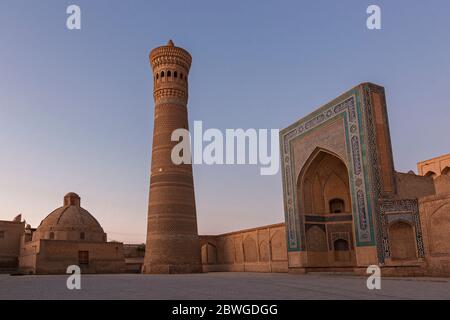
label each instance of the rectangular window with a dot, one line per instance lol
(2, 234)
(83, 257)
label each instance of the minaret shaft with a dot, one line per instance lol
(172, 236)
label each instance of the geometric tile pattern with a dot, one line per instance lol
(406, 210)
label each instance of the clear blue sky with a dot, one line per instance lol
(76, 107)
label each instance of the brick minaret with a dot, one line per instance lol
(172, 237)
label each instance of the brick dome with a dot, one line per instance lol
(70, 222)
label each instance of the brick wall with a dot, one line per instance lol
(10, 237)
(260, 249)
(53, 257)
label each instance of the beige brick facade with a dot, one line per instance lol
(10, 234)
(435, 219)
(55, 256)
(435, 167)
(261, 249)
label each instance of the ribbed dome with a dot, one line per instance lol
(70, 218)
(70, 222)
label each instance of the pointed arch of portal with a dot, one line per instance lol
(325, 206)
(319, 187)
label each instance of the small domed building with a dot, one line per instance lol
(70, 222)
(70, 235)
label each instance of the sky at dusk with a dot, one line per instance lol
(76, 107)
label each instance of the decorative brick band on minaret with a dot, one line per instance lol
(172, 236)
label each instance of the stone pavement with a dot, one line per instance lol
(221, 286)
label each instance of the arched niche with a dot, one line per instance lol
(341, 249)
(324, 178)
(402, 240)
(228, 251)
(250, 250)
(278, 246)
(439, 226)
(209, 253)
(264, 253)
(316, 239)
(430, 174)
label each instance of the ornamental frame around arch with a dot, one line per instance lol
(405, 210)
(348, 107)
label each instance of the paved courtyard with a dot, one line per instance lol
(221, 286)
